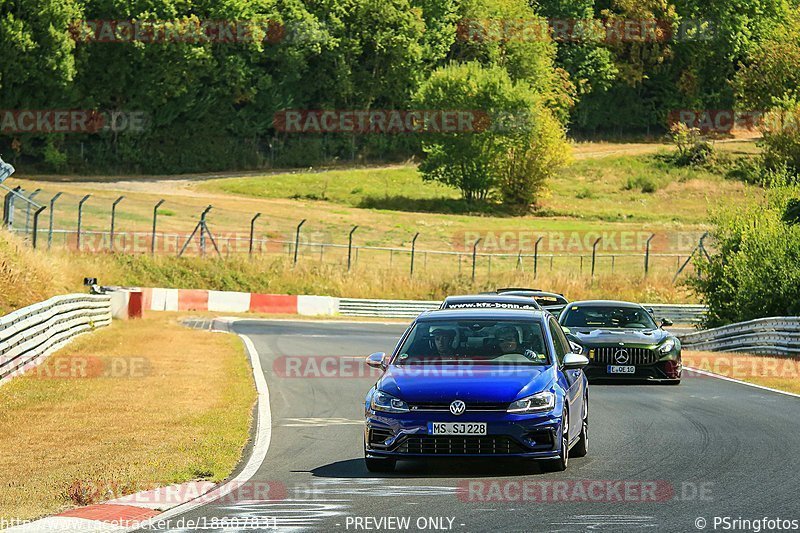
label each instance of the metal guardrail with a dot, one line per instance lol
(33, 332)
(385, 308)
(763, 336)
(678, 313)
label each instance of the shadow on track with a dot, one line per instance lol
(438, 468)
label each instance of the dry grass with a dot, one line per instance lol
(25, 278)
(367, 280)
(176, 408)
(29, 276)
(782, 373)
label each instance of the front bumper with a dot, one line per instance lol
(669, 370)
(398, 435)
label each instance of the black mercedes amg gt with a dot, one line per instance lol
(622, 341)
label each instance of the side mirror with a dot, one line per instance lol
(575, 347)
(574, 361)
(375, 360)
(666, 322)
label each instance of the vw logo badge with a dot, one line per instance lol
(621, 356)
(458, 407)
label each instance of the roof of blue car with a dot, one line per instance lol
(603, 303)
(483, 314)
(506, 298)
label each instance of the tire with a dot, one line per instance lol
(379, 465)
(581, 447)
(562, 461)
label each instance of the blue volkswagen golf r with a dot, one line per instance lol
(476, 383)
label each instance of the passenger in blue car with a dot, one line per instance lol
(508, 340)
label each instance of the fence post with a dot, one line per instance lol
(31, 196)
(699, 247)
(8, 206)
(350, 247)
(113, 221)
(413, 251)
(80, 219)
(252, 232)
(702, 246)
(519, 260)
(474, 256)
(594, 252)
(155, 222)
(50, 226)
(297, 240)
(647, 255)
(203, 230)
(36, 225)
(536, 257)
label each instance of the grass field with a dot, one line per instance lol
(613, 191)
(390, 205)
(138, 404)
(617, 188)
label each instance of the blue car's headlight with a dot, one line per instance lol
(544, 401)
(388, 403)
(667, 347)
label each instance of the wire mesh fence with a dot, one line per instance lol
(105, 222)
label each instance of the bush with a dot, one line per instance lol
(691, 148)
(781, 140)
(54, 159)
(646, 184)
(753, 272)
(748, 170)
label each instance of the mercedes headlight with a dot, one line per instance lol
(388, 403)
(667, 347)
(544, 401)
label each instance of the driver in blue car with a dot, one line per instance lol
(443, 341)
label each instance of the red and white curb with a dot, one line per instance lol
(132, 302)
(237, 302)
(121, 514)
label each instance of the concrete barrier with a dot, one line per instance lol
(229, 302)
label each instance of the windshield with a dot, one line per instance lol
(608, 317)
(513, 342)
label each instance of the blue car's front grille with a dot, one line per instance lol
(431, 406)
(457, 445)
(607, 355)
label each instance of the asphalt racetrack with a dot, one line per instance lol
(661, 458)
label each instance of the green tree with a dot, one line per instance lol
(528, 156)
(510, 34)
(770, 75)
(753, 271)
(521, 145)
(37, 50)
